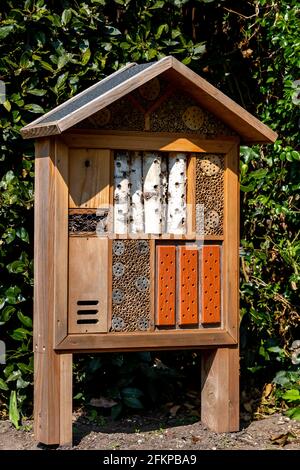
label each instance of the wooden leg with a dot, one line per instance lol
(53, 398)
(220, 389)
(66, 400)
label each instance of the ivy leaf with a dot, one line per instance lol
(7, 313)
(5, 31)
(7, 105)
(13, 295)
(27, 321)
(291, 395)
(22, 383)
(3, 385)
(14, 414)
(19, 334)
(294, 413)
(22, 234)
(36, 92)
(14, 376)
(66, 16)
(16, 267)
(86, 57)
(34, 108)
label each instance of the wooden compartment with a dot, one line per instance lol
(88, 285)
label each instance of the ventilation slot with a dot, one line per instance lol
(87, 302)
(87, 321)
(87, 312)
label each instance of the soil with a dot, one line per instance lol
(160, 433)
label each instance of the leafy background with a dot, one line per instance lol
(51, 50)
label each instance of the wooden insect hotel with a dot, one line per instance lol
(137, 232)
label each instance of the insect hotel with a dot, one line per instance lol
(137, 232)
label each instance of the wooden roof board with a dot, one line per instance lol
(132, 76)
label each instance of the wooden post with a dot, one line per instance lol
(220, 389)
(52, 371)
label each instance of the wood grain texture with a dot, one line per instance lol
(46, 363)
(237, 118)
(166, 285)
(162, 339)
(89, 171)
(66, 402)
(61, 192)
(49, 366)
(211, 284)
(230, 265)
(220, 389)
(148, 141)
(88, 282)
(188, 286)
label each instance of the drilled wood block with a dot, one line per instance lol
(209, 194)
(188, 285)
(211, 291)
(89, 178)
(166, 285)
(131, 295)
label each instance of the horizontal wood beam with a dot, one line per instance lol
(149, 141)
(145, 341)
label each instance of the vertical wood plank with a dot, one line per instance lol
(210, 281)
(152, 284)
(89, 171)
(191, 194)
(46, 361)
(220, 389)
(61, 241)
(88, 287)
(188, 286)
(110, 242)
(230, 264)
(66, 402)
(166, 285)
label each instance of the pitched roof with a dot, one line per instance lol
(132, 76)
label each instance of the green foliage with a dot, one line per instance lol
(288, 390)
(51, 50)
(133, 381)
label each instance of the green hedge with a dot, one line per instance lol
(51, 50)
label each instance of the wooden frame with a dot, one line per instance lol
(227, 333)
(56, 178)
(53, 345)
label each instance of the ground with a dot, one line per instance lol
(158, 433)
